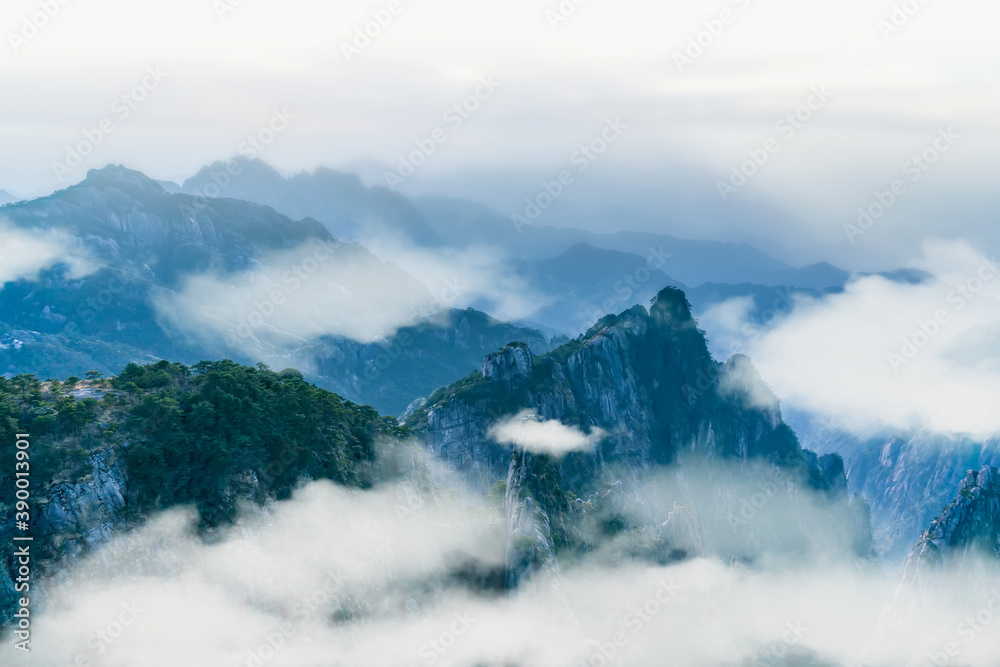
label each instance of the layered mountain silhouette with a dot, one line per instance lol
(338, 200)
(142, 246)
(148, 267)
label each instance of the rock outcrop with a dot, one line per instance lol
(907, 480)
(648, 382)
(970, 525)
(964, 541)
(72, 516)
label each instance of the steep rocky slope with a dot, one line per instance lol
(646, 382)
(908, 479)
(956, 561)
(969, 525)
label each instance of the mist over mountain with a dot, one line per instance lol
(643, 464)
(449, 231)
(469, 334)
(340, 201)
(645, 385)
(907, 479)
(137, 274)
(133, 253)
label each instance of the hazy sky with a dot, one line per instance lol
(230, 64)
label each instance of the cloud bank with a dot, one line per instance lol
(886, 354)
(290, 298)
(347, 577)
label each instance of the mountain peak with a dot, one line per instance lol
(132, 182)
(672, 303)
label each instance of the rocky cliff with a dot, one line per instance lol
(970, 525)
(646, 382)
(956, 559)
(908, 479)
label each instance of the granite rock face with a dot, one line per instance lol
(908, 479)
(964, 540)
(86, 511)
(73, 517)
(513, 362)
(969, 525)
(645, 378)
(531, 550)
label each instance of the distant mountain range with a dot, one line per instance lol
(132, 245)
(143, 247)
(353, 212)
(145, 240)
(347, 208)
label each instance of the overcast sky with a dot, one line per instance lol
(890, 93)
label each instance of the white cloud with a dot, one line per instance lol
(23, 253)
(726, 322)
(290, 298)
(553, 437)
(890, 354)
(475, 276)
(339, 576)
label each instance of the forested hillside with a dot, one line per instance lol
(107, 452)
